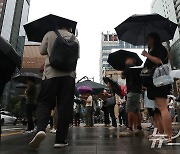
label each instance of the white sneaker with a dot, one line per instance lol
(40, 136)
(112, 128)
(53, 131)
(126, 133)
(60, 145)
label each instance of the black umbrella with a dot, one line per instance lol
(37, 29)
(22, 78)
(117, 59)
(116, 88)
(9, 51)
(97, 87)
(135, 29)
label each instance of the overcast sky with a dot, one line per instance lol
(93, 17)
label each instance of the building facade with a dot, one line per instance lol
(13, 15)
(109, 43)
(32, 59)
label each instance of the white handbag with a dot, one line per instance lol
(162, 76)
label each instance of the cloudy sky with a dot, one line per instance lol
(93, 17)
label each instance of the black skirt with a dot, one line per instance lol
(157, 92)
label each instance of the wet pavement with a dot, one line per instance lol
(98, 140)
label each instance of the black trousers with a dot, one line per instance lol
(77, 119)
(89, 116)
(112, 115)
(106, 115)
(61, 88)
(30, 108)
(122, 117)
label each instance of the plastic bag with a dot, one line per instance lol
(162, 76)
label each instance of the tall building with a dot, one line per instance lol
(13, 15)
(168, 9)
(109, 43)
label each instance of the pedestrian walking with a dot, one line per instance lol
(157, 55)
(31, 95)
(62, 50)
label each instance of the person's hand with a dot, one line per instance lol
(144, 53)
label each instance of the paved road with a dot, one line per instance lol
(81, 140)
(9, 130)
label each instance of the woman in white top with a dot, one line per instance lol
(89, 109)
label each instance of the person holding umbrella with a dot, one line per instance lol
(133, 83)
(88, 100)
(61, 48)
(114, 88)
(156, 56)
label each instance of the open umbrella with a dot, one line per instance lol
(97, 87)
(9, 52)
(22, 78)
(37, 29)
(117, 59)
(114, 85)
(85, 89)
(135, 29)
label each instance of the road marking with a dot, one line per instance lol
(10, 129)
(10, 134)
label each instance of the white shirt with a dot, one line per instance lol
(89, 99)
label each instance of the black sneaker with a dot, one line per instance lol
(60, 145)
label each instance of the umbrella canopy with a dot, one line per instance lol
(9, 51)
(114, 85)
(117, 59)
(37, 29)
(22, 78)
(85, 89)
(175, 74)
(135, 29)
(97, 87)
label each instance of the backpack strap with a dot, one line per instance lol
(59, 35)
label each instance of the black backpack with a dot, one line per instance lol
(64, 54)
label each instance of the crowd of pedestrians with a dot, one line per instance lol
(55, 101)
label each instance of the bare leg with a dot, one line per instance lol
(166, 118)
(158, 122)
(138, 119)
(130, 119)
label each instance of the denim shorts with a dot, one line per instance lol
(133, 102)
